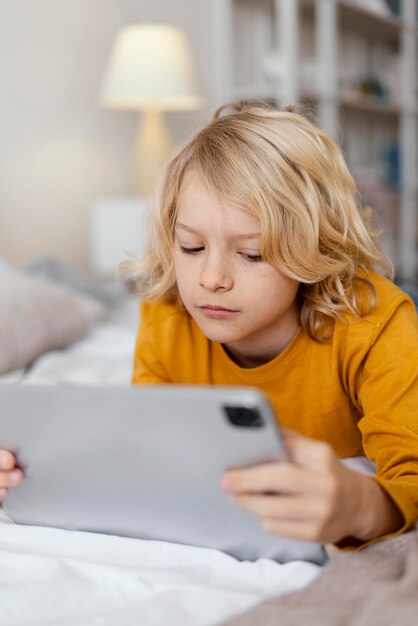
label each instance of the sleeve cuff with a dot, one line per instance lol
(400, 494)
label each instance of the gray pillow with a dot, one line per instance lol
(108, 292)
(37, 315)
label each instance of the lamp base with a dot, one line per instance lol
(152, 148)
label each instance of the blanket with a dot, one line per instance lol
(72, 578)
(377, 586)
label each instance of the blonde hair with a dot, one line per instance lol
(291, 175)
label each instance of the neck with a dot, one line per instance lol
(244, 360)
(252, 354)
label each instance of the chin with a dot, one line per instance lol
(221, 335)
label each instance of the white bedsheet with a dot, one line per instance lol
(58, 577)
(53, 576)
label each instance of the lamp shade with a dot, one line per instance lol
(150, 67)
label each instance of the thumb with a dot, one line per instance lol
(305, 451)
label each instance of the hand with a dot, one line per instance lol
(10, 474)
(315, 497)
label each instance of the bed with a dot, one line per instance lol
(54, 576)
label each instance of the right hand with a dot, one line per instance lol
(10, 474)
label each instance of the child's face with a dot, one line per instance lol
(234, 296)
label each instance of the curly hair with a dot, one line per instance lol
(292, 176)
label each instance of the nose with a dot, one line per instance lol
(215, 275)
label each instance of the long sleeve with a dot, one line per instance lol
(358, 392)
(147, 369)
(387, 393)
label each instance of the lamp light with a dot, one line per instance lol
(150, 69)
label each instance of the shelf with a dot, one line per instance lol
(356, 18)
(369, 23)
(346, 100)
(372, 105)
(353, 101)
(341, 45)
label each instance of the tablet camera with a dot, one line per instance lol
(243, 416)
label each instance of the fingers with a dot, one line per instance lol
(316, 455)
(8, 479)
(267, 477)
(271, 477)
(291, 516)
(313, 497)
(301, 530)
(9, 474)
(7, 460)
(280, 508)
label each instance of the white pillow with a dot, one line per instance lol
(37, 315)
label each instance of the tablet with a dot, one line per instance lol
(143, 462)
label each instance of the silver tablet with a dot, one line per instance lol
(143, 462)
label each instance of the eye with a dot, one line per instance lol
(254, 258)
(191, 250)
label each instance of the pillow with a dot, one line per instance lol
(108, 292)
(37, 315)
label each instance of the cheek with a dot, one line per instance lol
(268, 286)
(178, 260)
(183, 271)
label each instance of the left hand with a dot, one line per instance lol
(314, 497)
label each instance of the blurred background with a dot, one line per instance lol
(91, 106)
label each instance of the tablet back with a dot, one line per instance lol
(143, 462)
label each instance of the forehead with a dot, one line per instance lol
(197, 204)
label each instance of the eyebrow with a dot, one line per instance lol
(195, 232)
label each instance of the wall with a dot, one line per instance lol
(59, 151)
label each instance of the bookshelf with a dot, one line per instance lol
(355, 64)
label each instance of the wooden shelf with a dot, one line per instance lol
(369, 23)
(372, 105)
(356, 102)
(361, 20)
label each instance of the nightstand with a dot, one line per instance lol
(118, 227)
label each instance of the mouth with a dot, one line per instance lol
(217, 312)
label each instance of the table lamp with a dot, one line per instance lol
(150, 69)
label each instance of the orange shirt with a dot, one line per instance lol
(358, 392)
